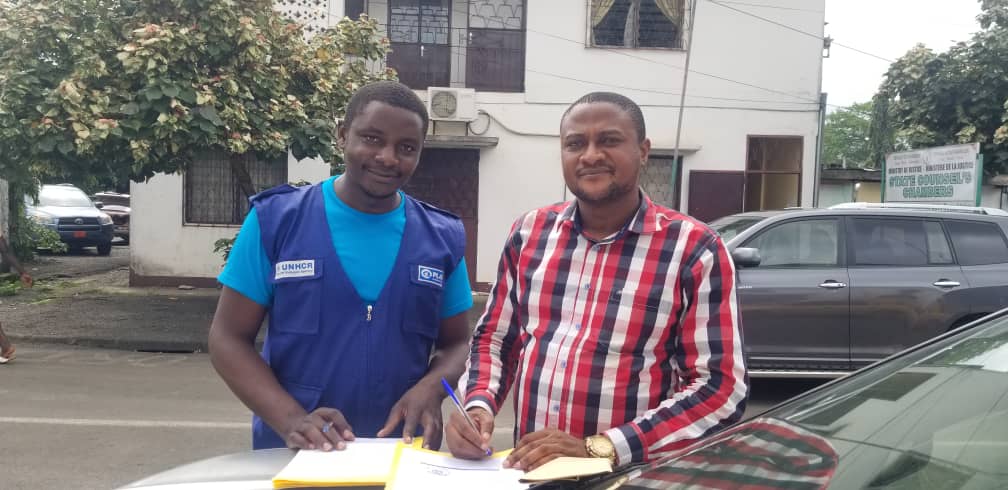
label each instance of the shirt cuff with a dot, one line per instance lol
(481, 400)
(624, 453)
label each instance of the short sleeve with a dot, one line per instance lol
(458, 292)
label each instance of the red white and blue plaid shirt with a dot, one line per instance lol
(635, 336)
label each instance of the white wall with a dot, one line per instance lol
(831, 193)
(162, 245)
(991, 197)
(523, 171)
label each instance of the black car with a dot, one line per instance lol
(68, 211)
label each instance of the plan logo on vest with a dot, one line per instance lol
(430, 275)
(295, 268)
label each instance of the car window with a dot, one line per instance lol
(889, 242)
(730, 226)
(802, 243)
(63, 197)
(939, 251)
(978, 243)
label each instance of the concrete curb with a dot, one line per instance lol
(146, 345)
(136, 342)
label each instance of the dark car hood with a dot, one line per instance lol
(769, 453)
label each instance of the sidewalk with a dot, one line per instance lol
(100, 311)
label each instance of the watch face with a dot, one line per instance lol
(443, 104)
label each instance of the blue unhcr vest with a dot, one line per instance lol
(326, 345)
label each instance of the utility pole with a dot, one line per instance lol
(682, 93)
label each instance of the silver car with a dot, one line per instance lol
(824, 291)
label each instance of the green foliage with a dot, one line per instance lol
(845, 136)
(8, 288)
(93, 88)
(223, 246)
(26, 236)
(959, 96)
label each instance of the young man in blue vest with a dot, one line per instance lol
(366, 290)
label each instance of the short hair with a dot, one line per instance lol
(389, 92)
(623, 102)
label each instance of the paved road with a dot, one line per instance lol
(79, 263)
(93, 418)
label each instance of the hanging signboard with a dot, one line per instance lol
(942, 175)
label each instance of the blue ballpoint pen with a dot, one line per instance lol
(461, 410)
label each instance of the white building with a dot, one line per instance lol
(749, 134)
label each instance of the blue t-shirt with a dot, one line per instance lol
(366, 244)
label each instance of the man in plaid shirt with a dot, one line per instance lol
(614, 319)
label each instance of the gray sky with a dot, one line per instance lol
(887, 28)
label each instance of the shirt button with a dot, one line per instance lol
(577, 326)
(556, 408)
(563, 364)
(587, 287)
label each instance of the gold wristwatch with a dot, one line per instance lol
(599, 446)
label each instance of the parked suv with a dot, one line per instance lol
(829, 290)
(68, 210)
(117, 206)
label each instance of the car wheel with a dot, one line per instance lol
(104, 248)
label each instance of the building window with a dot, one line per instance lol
(661, 180)
(212, 194)
(637, 23)
(495, 52)
(773, 172)
(485, 51)
(354, 8)
(420, 31)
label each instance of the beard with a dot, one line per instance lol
(611, 193)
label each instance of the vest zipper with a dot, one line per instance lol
(369, 308)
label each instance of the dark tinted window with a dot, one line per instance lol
(892, 242)
(354, 8)
(978, 243)
(804, 243)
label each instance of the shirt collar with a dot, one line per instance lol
(643, 222)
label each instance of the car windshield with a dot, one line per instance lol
(934, 418)
(113, 200)
(63, 197)
(730, 226)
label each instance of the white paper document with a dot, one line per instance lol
(364, 461)
(424, 469)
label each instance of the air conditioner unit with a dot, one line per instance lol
(451, 104)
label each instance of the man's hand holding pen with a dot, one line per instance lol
(467, 442)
